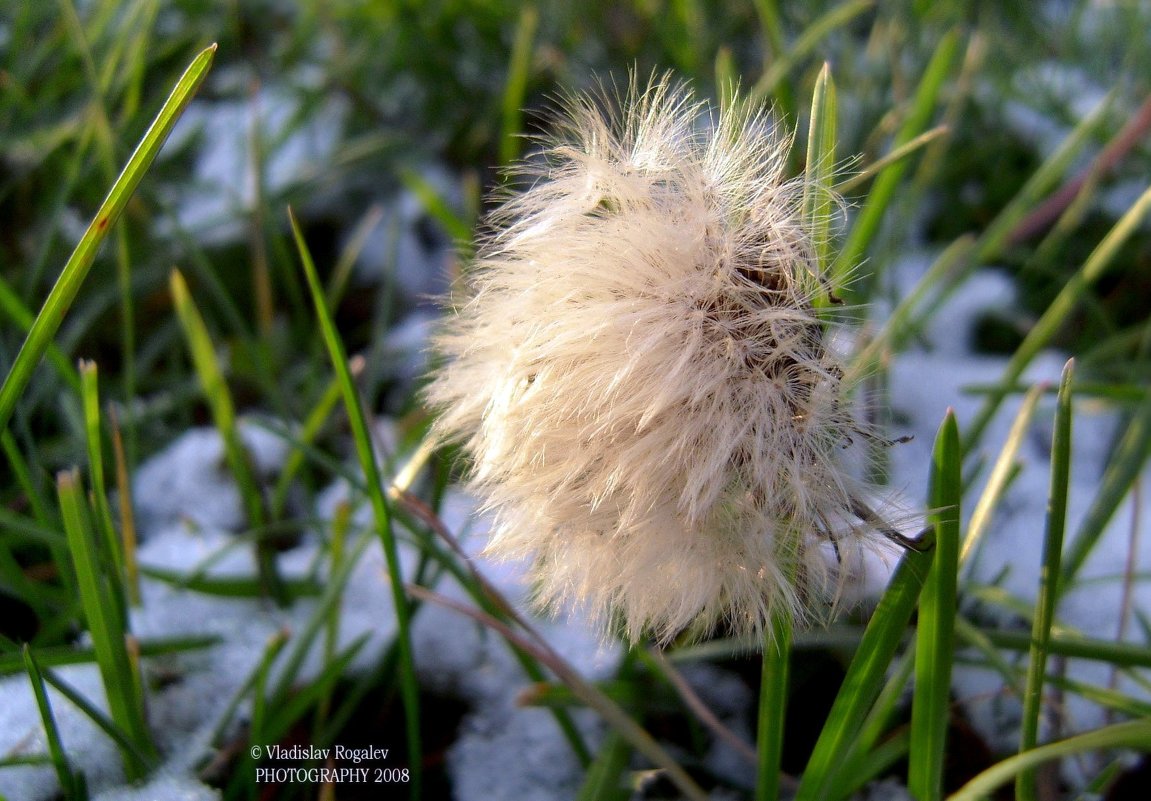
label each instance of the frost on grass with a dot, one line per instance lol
(638, 373)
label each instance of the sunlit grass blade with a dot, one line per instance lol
(1134, 734)
(883, 190)
(219, 400)
(409, 689)
(935, 633)
(866, 674)
(1025, 788)
(1122, 473)
(72, 784)
(906, 150)
(519, 67)
(1001, 473)
(121, 679)
(1056, 314)
(76, 269)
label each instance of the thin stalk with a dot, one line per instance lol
(409, 689)
(1025, 782)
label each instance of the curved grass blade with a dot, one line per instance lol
(1025, 787)
(76, 269)
(935, 638)
(409, 689)
(1133, 734)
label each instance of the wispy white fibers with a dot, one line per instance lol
(636, 369)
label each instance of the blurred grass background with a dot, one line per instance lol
(384, 125)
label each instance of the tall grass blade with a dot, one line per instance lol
(1001, 473)
(1121, 475)
(90, 398)
(219, 399)
(817, 201)
(409, 689)
(1025, 787)
(772, 708)
(935, 636)
(121, 680)
(76, 269)
(883, 190)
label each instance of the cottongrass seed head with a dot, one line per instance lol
(635, 366)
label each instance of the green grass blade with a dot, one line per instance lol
(1134, 734)
(776, 659)
(72, 655)
(885, 186)
(219, 400)
(1122, 472)
(935, 636)
(71, 783)
(117, 668)
(865, 675)
(17, 312)
(516, 87)
(1055, 316)
(817, 201)
(1025, 787)
(604, 778)
(409, 689)
(848, 185)
(90, 398)
(76, 269)
(1118, 654)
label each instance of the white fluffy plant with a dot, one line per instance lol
(636, 368)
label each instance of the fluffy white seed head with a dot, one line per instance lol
(636, 369)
